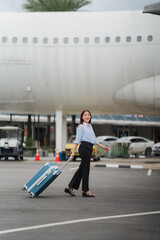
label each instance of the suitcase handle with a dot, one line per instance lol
(65, 164)
(41, 181)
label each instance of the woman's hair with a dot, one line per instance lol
(82, 113)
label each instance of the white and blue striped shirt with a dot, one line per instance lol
(85, 133)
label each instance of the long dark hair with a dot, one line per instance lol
(81, 120)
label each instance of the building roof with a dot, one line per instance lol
(136, 119)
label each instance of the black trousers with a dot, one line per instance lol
(85, 151)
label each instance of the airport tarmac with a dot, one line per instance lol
(126, 206)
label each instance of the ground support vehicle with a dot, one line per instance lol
(11, 143)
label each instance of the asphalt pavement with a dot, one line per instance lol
(126, 206)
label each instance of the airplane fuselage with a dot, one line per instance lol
(107, 62)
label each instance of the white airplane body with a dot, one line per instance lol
(107, 62)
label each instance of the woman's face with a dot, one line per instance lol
(86, 117)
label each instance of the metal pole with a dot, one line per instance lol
(54, 135)
(38, 132)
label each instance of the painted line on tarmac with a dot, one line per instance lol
(71, 169)
(149, 172)
(77, 221)
(119, 166)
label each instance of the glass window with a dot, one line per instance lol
(139, 38)
(4, 39)
(35, 40)
(97, 40)
(76, 40)
(107, 39)
(14, 39)
(141, 140)
(150, 38)
(86, 40)
(128, 39)
(55, 40)
(25, 40)
(118, 39)
(66, 40)
(45, 40)
(133, 140)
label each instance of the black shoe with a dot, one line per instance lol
(70, 191)
(89, 194)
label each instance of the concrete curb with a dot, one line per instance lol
(119, 166)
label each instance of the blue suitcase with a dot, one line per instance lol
(43, 178)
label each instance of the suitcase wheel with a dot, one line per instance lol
(23, 189)
(31, 195)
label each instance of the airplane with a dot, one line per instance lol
(64, 62)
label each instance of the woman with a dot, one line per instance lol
(86, 136)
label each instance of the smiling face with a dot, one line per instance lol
(86, 117)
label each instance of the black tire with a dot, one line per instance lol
(95, 159)
(17, 157)
(6, 158)
(21, 158)
(148, 152)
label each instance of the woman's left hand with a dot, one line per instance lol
(106, 148)
(103, 147)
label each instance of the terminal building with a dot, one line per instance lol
(43, 127)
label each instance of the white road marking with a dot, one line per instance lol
(77, 221)
(149, 172)
(112, 165)
(136, 167)
(73, 168)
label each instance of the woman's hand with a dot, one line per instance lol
(106, 149)
(74, 149)
(103, 147)
(72, 155)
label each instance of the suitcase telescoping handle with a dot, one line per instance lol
(65, 164)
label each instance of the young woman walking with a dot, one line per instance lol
(85, 136)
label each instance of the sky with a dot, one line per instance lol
(97, 5)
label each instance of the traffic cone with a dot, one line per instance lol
(37, 155)
(57, 156)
